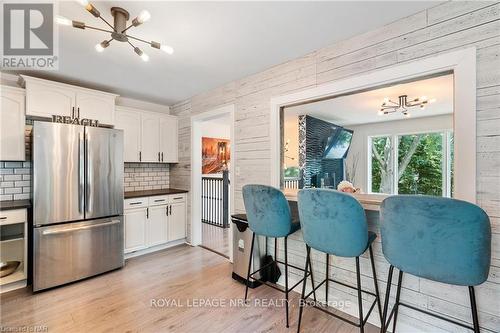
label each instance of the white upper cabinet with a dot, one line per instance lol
(129, 121)
(46, 98)
(90, 105)
(148, 136)
(12, 121)
(150, 142)
(168, 139)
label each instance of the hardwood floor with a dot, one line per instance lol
(215, 238)
(124, 301)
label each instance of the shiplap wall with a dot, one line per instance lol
(449, 26)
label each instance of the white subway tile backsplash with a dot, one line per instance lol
(22, 196)
(13, 164)
(146, 176)
(22, 183)
(13, 190)
(12, 177)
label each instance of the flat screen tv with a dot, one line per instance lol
(338, 143)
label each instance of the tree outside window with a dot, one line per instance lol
(423, 164)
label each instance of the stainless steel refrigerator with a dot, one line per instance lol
(77, 202)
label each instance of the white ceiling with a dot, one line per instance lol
(362, 108)
(214, 42)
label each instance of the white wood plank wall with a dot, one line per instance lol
(449, 26)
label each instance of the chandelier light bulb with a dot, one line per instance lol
(386, 100)
(144, 57)
(423, 98)
(84, 3)
(99, 48)
(380, 112)
(167, 49)
(143, 16)
(432, 100)
(62, 20)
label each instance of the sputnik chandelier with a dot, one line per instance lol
(119, 29)
(403, 104)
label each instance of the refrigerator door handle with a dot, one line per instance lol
(66, 230)
(88, 171)
(81, 173)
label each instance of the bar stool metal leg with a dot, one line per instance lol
(327, 277)
(302, 296)
(312, 280)
(375, 282)
(386, 301)
(249, 267)
(286, 279)
(360, 298)
(396, 305)
(473, 305)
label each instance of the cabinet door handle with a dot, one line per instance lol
(73, 112)
(166, 210)
(135, 203)
(170, 213)
(147, 213)
(162, 157)
(140, 156)
(78, 112)
(159, 157)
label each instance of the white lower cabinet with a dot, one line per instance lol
(135, 229)
(154, 221)
(157, 225)
(177, 221)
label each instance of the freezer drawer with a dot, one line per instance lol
(73, 251)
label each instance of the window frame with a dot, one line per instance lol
(446, 158)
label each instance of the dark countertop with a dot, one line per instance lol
(15, 204)
(152, 193)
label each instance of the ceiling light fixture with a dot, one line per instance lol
(403, 104)
(119, 28)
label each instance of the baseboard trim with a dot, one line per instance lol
(155, 248)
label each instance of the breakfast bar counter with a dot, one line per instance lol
(370, 202)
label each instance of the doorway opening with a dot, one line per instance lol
(211, 171)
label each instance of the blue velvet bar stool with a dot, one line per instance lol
(268, 215)
(439, 239)
(335, 223)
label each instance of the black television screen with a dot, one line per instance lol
(338, 144)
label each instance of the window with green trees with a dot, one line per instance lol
(412, 164)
